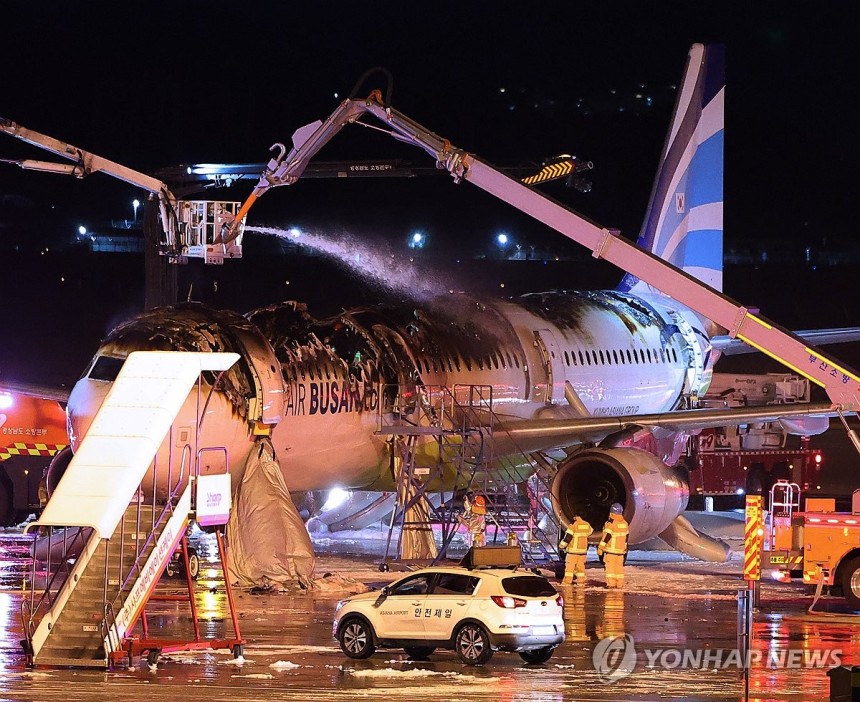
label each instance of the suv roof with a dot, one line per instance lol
(482, 571)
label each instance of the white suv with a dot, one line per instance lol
(472, 611)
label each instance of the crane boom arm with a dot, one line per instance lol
(188, 227)
(841, 385)
(86, 162)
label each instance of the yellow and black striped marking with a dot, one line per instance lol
(551, 171)
(24, 449)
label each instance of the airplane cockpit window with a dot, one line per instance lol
(106, 368)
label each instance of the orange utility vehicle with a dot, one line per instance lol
(819, 544)
(32, 432)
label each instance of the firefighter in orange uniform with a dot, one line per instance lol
(475, 519)
(613, 546)
(575, 545)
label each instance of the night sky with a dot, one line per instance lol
(157, 84)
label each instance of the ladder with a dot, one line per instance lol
(461, 421)
(110, 546)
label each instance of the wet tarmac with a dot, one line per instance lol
(680, 615)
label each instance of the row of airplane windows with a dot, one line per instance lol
(595, 357)
(496, 360)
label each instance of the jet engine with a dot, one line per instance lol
(589, 481)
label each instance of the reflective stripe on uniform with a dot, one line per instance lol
(576, 537)
(617, 530)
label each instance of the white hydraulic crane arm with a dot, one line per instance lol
(86, 163)
(841, 385)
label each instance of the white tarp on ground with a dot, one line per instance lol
(268, 542)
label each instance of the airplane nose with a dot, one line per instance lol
(84, 401)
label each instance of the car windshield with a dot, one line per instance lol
(528, 586)
(415, 585)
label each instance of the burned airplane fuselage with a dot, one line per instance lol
(323, 387)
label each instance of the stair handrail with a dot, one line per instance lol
(46, 600)
(109, 630)
(174, 492)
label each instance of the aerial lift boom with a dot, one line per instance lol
(841, 385)
(188, 227)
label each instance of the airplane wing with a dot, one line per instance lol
(816, 337)
(41, 392)
(549, 434)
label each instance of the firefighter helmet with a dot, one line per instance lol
(616, 508)
(479, 505)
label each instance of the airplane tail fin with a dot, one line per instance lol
(684, 221)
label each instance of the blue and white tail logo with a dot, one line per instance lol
(684, 223)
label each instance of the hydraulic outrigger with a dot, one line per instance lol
(841, 385)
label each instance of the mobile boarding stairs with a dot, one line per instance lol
(105, 548)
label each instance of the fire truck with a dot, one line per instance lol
(32, 434)
(737, 459)
(819, 544)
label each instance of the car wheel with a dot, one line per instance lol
(356, 639)
(537, 655)
(193, 564)
(851, 583)
(419, 653)
(473, 645)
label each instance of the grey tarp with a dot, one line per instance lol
(416, 536)
(268, 542)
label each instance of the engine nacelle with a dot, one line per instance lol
(651, 492)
